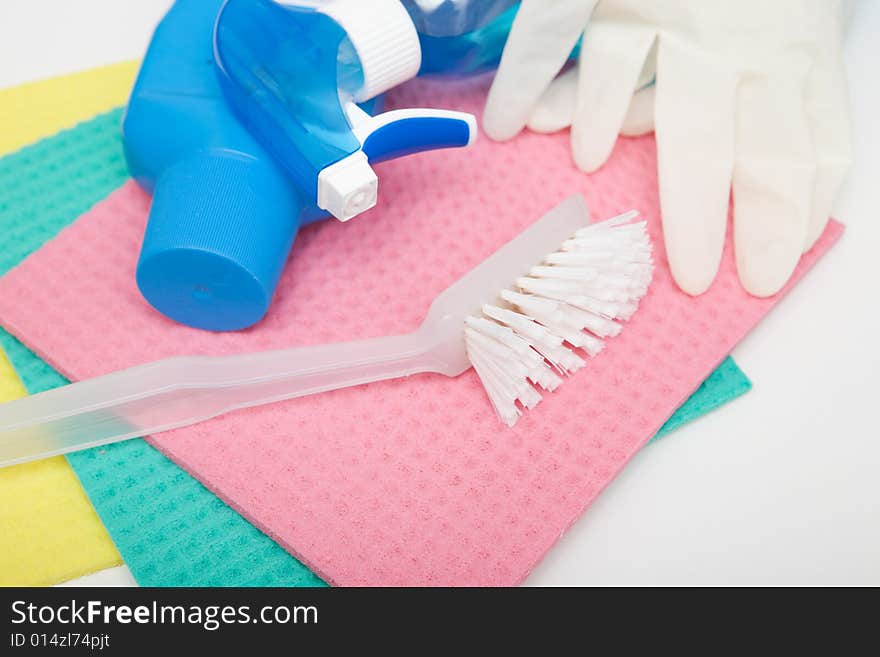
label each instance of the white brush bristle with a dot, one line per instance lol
(571, 299)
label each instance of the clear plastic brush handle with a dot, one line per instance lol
(177, 392)
(181, 391)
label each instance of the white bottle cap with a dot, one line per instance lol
(348, 187)
(385, 39)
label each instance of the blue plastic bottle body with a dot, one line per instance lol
(210, 259)
(229, 125)
(227, 204)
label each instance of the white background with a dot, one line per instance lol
(781, 486)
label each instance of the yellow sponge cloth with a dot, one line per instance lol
(32, 111)
(48, 530)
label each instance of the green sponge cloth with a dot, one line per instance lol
(726, 383)
(170, 529)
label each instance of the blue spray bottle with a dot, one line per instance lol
(244, 125)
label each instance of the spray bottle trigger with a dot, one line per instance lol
(402, 132)
(350, 186)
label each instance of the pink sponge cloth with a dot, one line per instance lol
(415, 481)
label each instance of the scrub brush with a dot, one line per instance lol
(574, 296)
(509, 322)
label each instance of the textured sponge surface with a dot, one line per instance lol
(411, 481)
(48, 530)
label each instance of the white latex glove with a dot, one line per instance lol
(749, 93)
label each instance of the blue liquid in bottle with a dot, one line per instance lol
(461, 37)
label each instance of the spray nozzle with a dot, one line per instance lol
(294, 75)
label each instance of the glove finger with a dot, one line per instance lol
(640, 115)
(772, 180)
(541, 40)
(694, 115)
(612, 58)
(828, 114)
(556, 107)
(555, 110)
